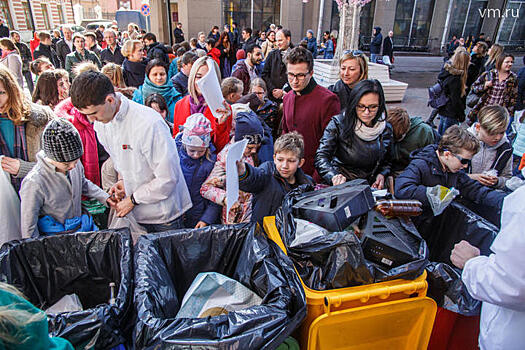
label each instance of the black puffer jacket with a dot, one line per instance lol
(342, 91)
(451, 81)
(357, 159)
(475, 69)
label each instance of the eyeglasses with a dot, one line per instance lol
(299, 76)
(355, 53)
(464, 161)
(371, 108)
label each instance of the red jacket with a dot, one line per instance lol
(215, 53)
(89, 159)
(220, 136)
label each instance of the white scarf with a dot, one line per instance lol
(366, 133)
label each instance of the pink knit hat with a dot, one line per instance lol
(197, 129)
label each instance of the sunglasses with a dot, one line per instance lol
(464, 161)
(355, 53)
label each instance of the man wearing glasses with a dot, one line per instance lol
(309, 107)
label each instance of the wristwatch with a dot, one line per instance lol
(132, 197)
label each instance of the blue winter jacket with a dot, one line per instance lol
(195, 172)
(312, 45)
(377, 40)
(425, 170)
(268, 188)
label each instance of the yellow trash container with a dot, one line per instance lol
(388, 315)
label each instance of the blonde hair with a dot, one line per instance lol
(231, 85)
(14, 320)
(493, 119)
(114, 73)
(363, 65)
(84, 66)
(291, 142)
(496, 50)
(203, 61)
(459, 63)
(17, 106)
(129, 46)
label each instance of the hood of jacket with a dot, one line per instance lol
(134, 67)
(448, 68)
(157, 46)
(428, 154)
(65, 109)
(483, 145)
(378, 30)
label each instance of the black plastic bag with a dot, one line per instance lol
(166, 265)
(393, 247)
(327, 262)
(457, 223)
(47, 268)
(448, 290)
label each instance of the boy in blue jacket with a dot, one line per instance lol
(443, 164)
(197, 158)
(271, 181)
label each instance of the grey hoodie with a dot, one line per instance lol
(483, 160)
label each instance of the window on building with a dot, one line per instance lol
(265, 12)
(512, 29)
(412, 22)
(27, 16)
(45, 14)
(6, 13)
(465, 18)
(60, 9)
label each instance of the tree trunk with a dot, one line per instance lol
(348, 38)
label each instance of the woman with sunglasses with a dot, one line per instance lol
(352, 69)
(356, 143)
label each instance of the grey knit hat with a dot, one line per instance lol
(61, 141)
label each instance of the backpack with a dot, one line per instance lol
(436, 95)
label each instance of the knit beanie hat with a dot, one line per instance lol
(196, 131)
(248, 126)
(61, 141)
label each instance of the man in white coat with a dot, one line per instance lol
(499, 279)
(143, 152)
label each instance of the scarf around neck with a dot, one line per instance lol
(199, 107)
(6, 52)
(167, 91)
(366, 133)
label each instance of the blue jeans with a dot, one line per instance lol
(176, 224)
(445, 123)
(373, 57)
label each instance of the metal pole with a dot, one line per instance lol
(412, 23)
(447, 20)
(170, 26)
(33, 20)
(302, 21)
(251, 17)
(466, 19)
(321, 20)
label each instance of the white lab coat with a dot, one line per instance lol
(144, 153)
(499, 281)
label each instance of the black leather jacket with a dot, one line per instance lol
(342, 91)
(358, 160)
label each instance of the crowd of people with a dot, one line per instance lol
(119, 117)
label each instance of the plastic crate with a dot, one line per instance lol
(392, 315)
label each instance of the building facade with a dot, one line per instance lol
(27, 16)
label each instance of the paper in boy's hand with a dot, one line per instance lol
(211, 90)
(232, 176)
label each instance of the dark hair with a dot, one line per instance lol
(158, 99)
(214, 27)
(185, 45)
(327, 32)
(221, 39)
(156, 63)
(279, 27)
(175, 47)
(210, 41)
(181, 51)
(501, 58)
(301, 55)
(251, 47)
(358, 91)
(189, 57)
(456, 139)
(90, 89)
(91, 35)
(286, 33)
(193, 41)
(149, 36)
(46, 90)
(34, 66)
(248, 30)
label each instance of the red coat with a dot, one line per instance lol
(89, 159)
(33, 43)
(215, 53)
(220, 135)
(309, 115)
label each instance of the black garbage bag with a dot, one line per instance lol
(326, 262)
(166, 265)
(448, 290)
(393, 247)
(455, 224)
(47, 268)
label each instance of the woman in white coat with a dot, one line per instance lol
(499, 279)
(11, 59)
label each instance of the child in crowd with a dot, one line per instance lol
(158, 103)
(51, 192)
(410, 134)
(495, 153)
(442, 165)
(248, 127)
(197, 158)
(40, 65)
(232, 88)
(271, 181)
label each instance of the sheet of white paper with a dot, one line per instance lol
(211, 90)
(232, 176)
